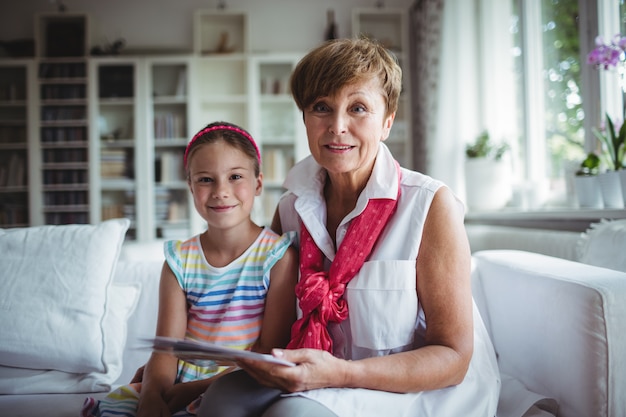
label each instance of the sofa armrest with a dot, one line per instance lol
(557, 326)
(557, 243)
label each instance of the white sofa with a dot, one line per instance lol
(556, 324)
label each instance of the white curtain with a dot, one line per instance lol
(462, 94)
(458, 116)
(425, 33)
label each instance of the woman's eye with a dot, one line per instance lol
(320, 107)
(358, 108)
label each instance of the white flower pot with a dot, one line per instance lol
(588, 192)
(487, 183)
(611, 189)
(622, 177)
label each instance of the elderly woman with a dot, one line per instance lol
(387, 325)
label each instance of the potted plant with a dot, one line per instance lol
(586, 183)
(613, 141)
(487, 174)
(611, 56)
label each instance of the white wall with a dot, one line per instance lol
(276, 25)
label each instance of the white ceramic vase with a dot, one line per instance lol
(487, 183)
(611, 189)
(588, 192)
(622, 178)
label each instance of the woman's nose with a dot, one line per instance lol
(338, 125)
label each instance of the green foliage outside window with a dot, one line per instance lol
(564, 112)
(564, 115)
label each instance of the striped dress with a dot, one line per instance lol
(225, 307)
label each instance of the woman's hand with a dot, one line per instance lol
(314, 369)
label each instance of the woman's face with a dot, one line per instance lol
(344, 129)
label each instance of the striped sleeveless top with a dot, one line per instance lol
(225, 304)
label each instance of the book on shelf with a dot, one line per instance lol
(14, 213)
(276, 163)
(171, 168)
(169, 126)
(64, 134)
(63, 70)
(112, 211)
(13, 174)
(176, 211)
(13, 134)
(270, 200)
(112, 163)
(181, 83)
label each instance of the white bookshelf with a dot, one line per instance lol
(111, 130)
(115, 114)
(16, 132)
(276, 123)
(171, 204)
(389, 26)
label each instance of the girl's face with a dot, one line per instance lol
(223, 184)
(344, 130)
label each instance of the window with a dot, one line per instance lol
(558, 97)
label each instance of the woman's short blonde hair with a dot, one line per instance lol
(340, 62)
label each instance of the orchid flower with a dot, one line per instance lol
(607, 55)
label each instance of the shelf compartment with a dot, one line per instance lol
(218, 32)
(61, 34)
(13, 208)
(169, 82)
(386, 26)
(13, 169)
(236, 113)
(221, 76)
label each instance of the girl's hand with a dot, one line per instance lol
(138, 377)
(314, 369)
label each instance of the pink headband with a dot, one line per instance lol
(222, 127)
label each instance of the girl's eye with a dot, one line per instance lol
(235, 177)
(205, 179)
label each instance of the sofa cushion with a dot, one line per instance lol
(55, 282)
(122, 302)
(604, 245)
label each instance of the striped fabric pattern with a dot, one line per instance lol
(123, 403)
(225, 303)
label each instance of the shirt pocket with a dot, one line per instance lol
(382, 302)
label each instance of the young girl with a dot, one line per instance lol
(231, 285)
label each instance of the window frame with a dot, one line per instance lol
(600, 92)
(599, 89)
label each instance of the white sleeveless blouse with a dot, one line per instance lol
(385, 314)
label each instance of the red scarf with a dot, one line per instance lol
(320, 293)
